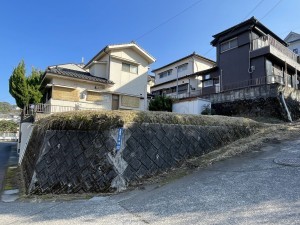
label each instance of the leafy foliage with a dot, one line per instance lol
(161, 103)
(34, 83)
(5, 107)
(24, 89)
(208, 110)
(8, 126)
(18, 86)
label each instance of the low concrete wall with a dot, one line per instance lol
(66, 161)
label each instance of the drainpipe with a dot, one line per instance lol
(285, 107)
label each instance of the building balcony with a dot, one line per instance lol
(269, 45)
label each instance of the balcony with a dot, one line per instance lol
(271, 79)
(269, 45)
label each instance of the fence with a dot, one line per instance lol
(6, 136)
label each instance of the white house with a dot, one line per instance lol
(179, 78)
(293, 39)
(115, 78)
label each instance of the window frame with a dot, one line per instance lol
(211, 83)
(182, 67)
(130, 68)
(228, 42)
(162, 74)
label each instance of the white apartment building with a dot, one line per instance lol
(293, 39)
(179, 78)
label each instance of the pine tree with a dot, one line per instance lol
(24, 89)
(18, 85)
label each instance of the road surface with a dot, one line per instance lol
(247, 189)
(5, 148)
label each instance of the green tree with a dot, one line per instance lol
(8, 126)
(18, 85)
(34, 83)
(161, 103)
(24, 89)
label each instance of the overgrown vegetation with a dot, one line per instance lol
(12, 178)
(161, 103)
(101, 120)
(24, 89)
(5, 107)
(8, 126)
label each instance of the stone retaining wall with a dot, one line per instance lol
(68, 161)
(258, 101)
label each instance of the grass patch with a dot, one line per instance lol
(12, 178)
(102, 120)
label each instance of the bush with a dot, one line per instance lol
(161, 103)
(208, 110)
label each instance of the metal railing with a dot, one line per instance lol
(271, 79)
(268, 40)
(204, 91)
(8, 136)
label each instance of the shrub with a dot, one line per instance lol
(161, 103)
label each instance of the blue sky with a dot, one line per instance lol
(52, 32)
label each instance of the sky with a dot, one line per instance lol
(45, 33)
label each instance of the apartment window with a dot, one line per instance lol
(182, 67)
(227, 45)
(208, 83)
(165, 74)
(129, 68)
(207, 76)
(182, 88)
(295, 50)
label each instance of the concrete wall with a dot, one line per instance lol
(190, 106)
(67, 161)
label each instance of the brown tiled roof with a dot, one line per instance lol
(76, 74)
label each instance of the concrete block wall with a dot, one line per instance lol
(69, 161)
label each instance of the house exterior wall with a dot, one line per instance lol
(127, 83)
(82, 90)
(234, 63)
(189, 70)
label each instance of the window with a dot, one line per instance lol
(206, 77)
(208, 83)
(182, 88)
(165, 74)
(227, 45)
(129, 68)
(295, 50)
(182, 67)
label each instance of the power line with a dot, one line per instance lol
(250, 14)
(168, 20)
(255, 7)
(271, 10)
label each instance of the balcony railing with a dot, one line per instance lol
(204, 91)
(40, 108)
(272, 79)
(268, 40)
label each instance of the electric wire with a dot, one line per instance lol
(168, 20)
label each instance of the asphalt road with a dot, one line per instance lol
(5, 148)
(248, 189)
